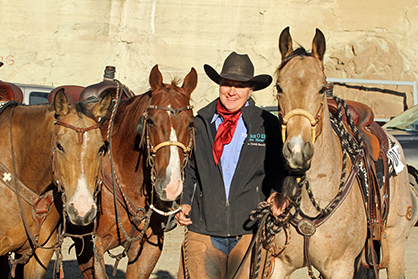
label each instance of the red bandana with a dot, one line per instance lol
(225, 131)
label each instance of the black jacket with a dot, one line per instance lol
(259, 171)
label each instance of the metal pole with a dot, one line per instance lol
(384, 82)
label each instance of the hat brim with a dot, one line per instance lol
(260, 81)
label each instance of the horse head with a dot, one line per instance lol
(301, 85)
(78, 152)
(167, 127)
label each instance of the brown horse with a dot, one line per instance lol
(41, 146)
(329, 223)
(151, 136)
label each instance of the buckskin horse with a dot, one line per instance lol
(43, 145)
(151, 137)
(338, 208)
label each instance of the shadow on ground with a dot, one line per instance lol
(72, 271)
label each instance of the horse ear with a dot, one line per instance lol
(318, 45)
(190, 81)
(61, 104)
(101, 108)
(285, 43)
(155, 78)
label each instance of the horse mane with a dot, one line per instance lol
(175, 82)
(83, 108)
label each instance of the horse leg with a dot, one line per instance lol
(396, 244)
(99, 271)
(143, 256)
(37, 265)
(281, 270)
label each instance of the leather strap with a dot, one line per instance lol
(10, 181)
(309, 224)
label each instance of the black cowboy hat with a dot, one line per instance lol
(238, 67)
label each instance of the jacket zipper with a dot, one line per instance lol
(228, 216)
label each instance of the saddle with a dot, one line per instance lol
(376, 196)
(108, 84)
(10, 92)
(77, 93)
(71, 91)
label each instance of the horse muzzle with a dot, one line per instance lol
(298, 154)
(169, 188)
(78, 219)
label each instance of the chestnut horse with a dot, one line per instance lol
(43, 145)
(329, 225)
(151, 137)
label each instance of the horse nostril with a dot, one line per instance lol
(287, 150)
(308, 150)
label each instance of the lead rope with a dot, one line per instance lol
(185, 255)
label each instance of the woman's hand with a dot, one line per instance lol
(279, 203)
(182, 216)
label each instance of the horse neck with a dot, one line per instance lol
(33, 134)
(127, 156)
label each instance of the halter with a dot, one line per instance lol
(152, 151)
(301, 112)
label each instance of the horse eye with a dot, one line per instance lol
(59, 147)
(191, 124)
(279, 89)
(150, 122)
(323, 90)
(103, 148)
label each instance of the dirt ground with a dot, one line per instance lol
(168, 264)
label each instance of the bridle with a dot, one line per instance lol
(301, 112)
(152, 151)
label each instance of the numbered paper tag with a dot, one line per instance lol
(395, 158)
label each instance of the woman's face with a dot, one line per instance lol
(234, 94)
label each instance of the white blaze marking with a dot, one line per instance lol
(174, 163)
(82, 199)
(175, 186)
(297, 144)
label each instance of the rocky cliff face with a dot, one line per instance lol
(70, 42)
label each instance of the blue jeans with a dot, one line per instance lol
(225, 244)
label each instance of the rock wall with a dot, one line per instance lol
(56, 42)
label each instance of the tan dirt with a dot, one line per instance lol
(168, 264)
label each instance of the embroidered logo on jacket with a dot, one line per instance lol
(257, 139)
